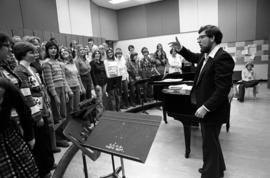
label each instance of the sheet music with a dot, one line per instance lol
(172, 80)
(180, 87)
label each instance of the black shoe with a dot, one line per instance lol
(187, 154)
(62, 143)
(240, 100)
(202, 171)
(56, 150)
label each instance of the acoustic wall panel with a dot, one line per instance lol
(85, 40)
(39, 34)
(10, 14)
(154, 18)
(5, 30)
(207, 12)
(108, 24)
(227, 19)
(162, 18)
(188, 15)
(262, 19)
(27, 32)
(246, 20)
(196, 13)
(80, 17)
(40, 14)
(95, 19)
(63, 16)
(17, 32)
(62, 39)
(170, 17)
(132, 23)
(80, 40)
(47, 35)
(68, 39)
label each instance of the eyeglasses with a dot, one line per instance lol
(201, 37)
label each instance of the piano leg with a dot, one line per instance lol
(187, 134)
(164, 113)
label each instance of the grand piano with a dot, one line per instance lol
(184, 110)
(165, 82)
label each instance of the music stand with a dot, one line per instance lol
(142, 82)
(127, 135)
(78, 129)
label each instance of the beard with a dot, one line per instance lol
(206, 49)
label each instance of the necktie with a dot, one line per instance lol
(193, 93)
(204, 62)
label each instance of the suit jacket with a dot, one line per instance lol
(214, 84)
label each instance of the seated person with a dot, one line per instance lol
(248, 80)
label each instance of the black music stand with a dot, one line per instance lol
(80, 127)
(142, 92)
(126, 135)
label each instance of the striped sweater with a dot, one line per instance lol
(54, 76)
(27, 87)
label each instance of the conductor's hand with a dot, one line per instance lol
(200, 113)
(176, 45)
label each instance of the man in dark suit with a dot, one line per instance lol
(212, 83)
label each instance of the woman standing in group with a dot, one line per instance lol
(73, 79)
(54, 79)
(47, 113)
(122, 65)
(175, 62)
(59, 91)
(31, 89)
(99, 77)
(5, 52)
(112, 71)
(84, 69)
(15, 156)
(160, 59)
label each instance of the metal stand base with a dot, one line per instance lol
(116, 171)
(114, 174)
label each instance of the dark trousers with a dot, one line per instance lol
(246, 84)
(87, 83)
(135, 96)
(114, 99)
(213, 161)
(148, 90)
(43, 150)
(124, 96)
